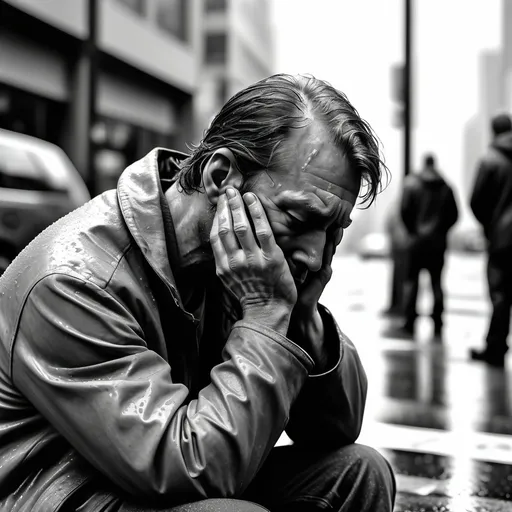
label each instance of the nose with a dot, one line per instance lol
(309, 251)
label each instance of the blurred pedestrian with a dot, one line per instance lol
(157, 342)
(397, 235)
(428, 211)
(491, 202)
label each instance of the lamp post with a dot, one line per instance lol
(407, 85)
(91, 51)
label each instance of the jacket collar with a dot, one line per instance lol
(140, 195)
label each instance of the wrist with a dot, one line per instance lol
(275, 316)
(307, 330)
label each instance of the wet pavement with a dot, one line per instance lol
(443, 421)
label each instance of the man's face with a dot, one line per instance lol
(309, 200)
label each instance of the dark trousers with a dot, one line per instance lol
(432, 260)
(351, 478)
(499, 278)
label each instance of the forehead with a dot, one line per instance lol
(309, 157)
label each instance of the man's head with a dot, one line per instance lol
(302, 148)
(501, 123)
(255, 122)
(430, 161)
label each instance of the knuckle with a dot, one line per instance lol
(224, 231)
(253, 262)
(263, 233)
(233, 264)
(255, 209)
(234, 204)
(241, 229)
(236, 261)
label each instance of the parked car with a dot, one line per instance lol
(38, 185)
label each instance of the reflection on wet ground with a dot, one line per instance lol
(413, 503)
(443, 421)
(448, 476)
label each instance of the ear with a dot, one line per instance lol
(220, 172)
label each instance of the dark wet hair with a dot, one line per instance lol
(254, 121)
(501, 123)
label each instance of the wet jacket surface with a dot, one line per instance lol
(428, 210)
(491, 200)
(108, 387)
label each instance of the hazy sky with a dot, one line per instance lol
(354, 43)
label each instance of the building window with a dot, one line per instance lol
(215, 5)
(215, 48)
(137, 6)
(32, 115)
(171, 16)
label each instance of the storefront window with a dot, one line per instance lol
(118, 144)
(215, 48)
(171, 17)
(31, 115)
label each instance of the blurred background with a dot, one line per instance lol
(105, 81)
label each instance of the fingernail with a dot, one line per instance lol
(250, 198)
(230, 192)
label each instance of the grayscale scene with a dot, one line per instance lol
(255, 255)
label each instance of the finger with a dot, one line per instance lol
(219, 253)
(262, 228)
(241, 225)
(329, 251)
(225, 226)
(325, 273)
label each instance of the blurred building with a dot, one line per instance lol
(107, 80)
(494, 96)
(237, 49)
(507, 53)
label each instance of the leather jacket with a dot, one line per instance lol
(109, 389)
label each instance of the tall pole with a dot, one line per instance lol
(91, 51)
(82, 111)
(407, 85)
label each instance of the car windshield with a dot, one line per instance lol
(22, 169)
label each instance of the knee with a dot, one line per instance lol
(366, 468)
(365, 476)
(366, 462)
(216, 504)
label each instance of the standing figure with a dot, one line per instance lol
(429, 210)
(491, 202)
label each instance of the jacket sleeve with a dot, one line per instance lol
(81, 359)
(330, 407)
(481, 197)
